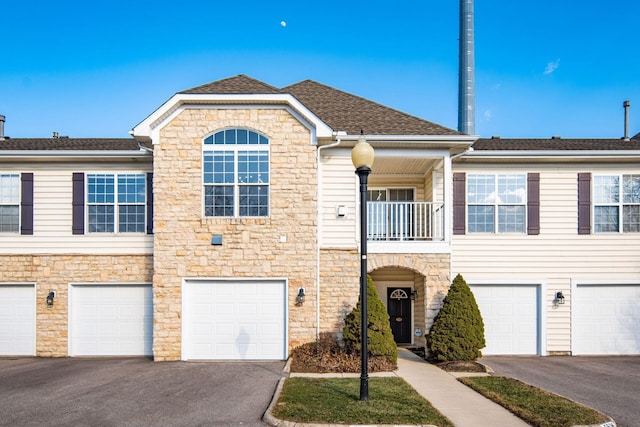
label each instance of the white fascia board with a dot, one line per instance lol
(545, 154)
(147, 129)
(417, 139)
(73, 154)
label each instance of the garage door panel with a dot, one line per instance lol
(111, 320)
(606, 319)
(510, 316)
(246, 319)
(17, 320)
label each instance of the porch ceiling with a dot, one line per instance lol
(403, 165)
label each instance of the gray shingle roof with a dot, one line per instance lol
(344, 111)
(70, 144)
(340, 110)
(555, 144)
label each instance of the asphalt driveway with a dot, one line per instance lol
(134, 392)
(608, 384)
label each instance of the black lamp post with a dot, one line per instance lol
(362, 157)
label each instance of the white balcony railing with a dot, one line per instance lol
(402, 221)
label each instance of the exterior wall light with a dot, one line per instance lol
(559, 298)
(362, 156)
(300, 297)
(50, 298)
(414, 294)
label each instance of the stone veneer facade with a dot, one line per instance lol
(56, 273)
(252, 247)
(340, 284)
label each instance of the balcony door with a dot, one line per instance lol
(388, 217)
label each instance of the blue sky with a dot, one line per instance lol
(543, 68)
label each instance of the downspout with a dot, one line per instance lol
(464, 153)
(319, 229)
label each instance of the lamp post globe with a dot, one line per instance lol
(362, 156)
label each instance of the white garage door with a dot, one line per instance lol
(243, 319)
(111, 320)
(17, 320)
(606, 319)
(510, 315)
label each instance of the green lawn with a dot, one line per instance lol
(337, 400)
(537, 407)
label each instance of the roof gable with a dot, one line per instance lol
(240, 84)
(343, 111)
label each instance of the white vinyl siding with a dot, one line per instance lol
(557, 254)
(52, 219)
(339, 187)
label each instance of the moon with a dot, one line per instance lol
(283, 23)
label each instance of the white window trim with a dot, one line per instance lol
(235, 148)
(496, 205)
(619, 204)
(19, 203)
(116, 224)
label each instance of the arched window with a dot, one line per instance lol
(236, 174)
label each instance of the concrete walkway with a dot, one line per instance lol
(463, 406)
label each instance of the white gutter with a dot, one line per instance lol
(464, 153)
(462, 139)
(541, 154)
(319, 228)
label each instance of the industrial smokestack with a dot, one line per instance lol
(466, 78)
(1, 127)
(626, 105)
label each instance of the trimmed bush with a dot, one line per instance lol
(379, 333)
(458, 330)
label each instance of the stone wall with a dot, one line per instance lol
(55, 273)
(340, 284)
(282, 245)
(436, 269)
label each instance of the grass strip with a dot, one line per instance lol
(537, 407)
(336, 400)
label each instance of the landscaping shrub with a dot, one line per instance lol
(380, 337)
(458, 330)
(326, 355)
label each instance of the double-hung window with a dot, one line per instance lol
(496, 203)
(236, 174)
(116, 202)
(616, 203)
(9, 203)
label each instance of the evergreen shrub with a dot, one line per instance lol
(380, 337)
(458, 330)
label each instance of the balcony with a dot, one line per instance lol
(407, 227)
(405, 221)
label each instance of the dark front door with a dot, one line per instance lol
(399, 309)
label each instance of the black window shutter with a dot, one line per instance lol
(26, 204)
(533, 203)
(584, 203)
(149, 203)
(459, 202)
(78, 203)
